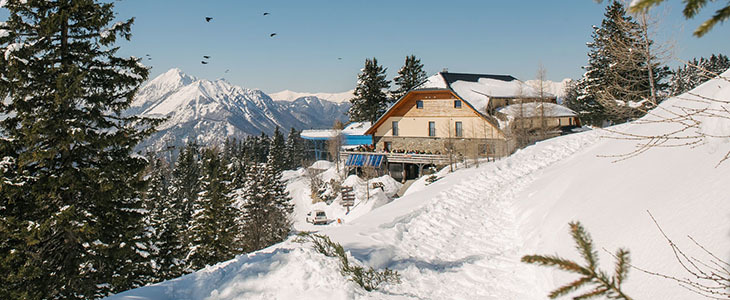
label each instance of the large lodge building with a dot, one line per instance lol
(456, 116)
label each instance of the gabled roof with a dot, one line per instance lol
(400, 101)
(477, 89)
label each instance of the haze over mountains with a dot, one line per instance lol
(209, 112)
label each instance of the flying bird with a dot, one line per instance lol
(207, 19)
(227, 70)
(339, 58)
(273, 34)
(147, 55)
(266, 14)
(206, 56)
(204, 62)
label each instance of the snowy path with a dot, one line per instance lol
(464, 242)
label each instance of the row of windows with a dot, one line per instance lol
(419, 104)
(458, 131)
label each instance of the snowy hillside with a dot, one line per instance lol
(211, 111)
(288, 95)
(462, 236)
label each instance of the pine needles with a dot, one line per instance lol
(600, 283)
(369, 279)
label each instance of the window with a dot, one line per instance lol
(419, 104)
(395, 128)
(457, 103)
(388, 146)
(458, 132)
(431, 128)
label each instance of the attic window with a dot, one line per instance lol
(419, 104)
(457, 103)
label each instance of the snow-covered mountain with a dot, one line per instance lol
(462, 236)
(208, 112)
(288, 95)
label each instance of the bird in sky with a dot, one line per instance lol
(206, 56)
(227, 70)
(273, 34)
(266, 14)
(207, 19)
(147, 55)
(204, 62)
(339, 58)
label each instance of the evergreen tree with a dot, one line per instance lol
(213, 230)
(691, 9)
(617, 82)
(277, 150)
(294, 150)
(696, 72)
(409, 77)
(370, 100)
(266, 207)
(66, 152)
(164, 222)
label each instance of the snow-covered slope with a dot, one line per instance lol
(288, 95)
(462, 236)
(208, 112)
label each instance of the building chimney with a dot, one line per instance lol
(445, 70)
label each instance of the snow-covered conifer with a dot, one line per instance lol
(71, 149)
(409, 76)
(370, 100)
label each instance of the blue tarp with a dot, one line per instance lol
(360, 160)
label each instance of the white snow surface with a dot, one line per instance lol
(462, 236)
(287, 95)
(536, 109)
(556, 88)
(478, 93)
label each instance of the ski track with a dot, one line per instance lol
(465, 243)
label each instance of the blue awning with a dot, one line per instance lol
(368, 160)
(358, 140)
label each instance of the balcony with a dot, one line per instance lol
(407, 158)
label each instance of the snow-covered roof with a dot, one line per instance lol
(477, 89)
(534, 109)
(356, 128)
(319, 133)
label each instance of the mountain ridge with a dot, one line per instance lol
(210, 111)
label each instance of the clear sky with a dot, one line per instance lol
(498, 37)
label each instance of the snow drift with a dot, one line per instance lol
(462, 236)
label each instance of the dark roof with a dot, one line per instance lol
(453, 77)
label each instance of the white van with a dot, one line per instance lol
(317, 217)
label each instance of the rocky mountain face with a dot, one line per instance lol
(208, 112)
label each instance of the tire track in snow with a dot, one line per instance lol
(465, 243)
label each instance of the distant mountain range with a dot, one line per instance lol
(288, 95)
(209, 112)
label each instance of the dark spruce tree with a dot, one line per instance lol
(294, 150)
(409, 77)
(617, 81)
(214, 229)
(696, 72)
(184, 190)
(277, 150)
(71, 206)
(370, 100)
(166, 226)
(266, 207)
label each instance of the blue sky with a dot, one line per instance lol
(499, 37)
